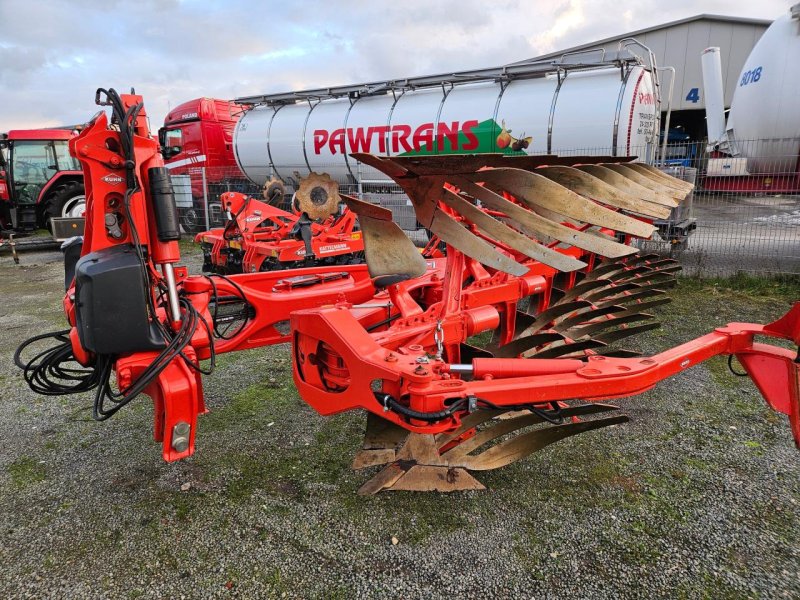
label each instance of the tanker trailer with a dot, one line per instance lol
(762, 136)
(595, 103)
(604, 106)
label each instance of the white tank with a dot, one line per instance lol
(766, 102)
(599, 111)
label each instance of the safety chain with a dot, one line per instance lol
(438, 337)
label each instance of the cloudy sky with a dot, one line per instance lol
(54, 54)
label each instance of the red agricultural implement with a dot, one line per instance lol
(539, 264)
(261, 237)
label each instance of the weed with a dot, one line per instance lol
(26, 471)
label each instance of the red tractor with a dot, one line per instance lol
(39, 179)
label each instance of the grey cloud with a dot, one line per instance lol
(53, 55)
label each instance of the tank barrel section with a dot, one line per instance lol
(518, 70)
(764, 119)
(511, 115)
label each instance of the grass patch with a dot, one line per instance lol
(26, 471)
(782, 286)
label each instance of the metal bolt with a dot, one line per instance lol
(180, 436)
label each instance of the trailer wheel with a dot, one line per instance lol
(67, 199)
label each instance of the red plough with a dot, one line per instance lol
(261, 237)
(463, 363)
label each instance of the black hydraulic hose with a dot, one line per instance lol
(387, 401)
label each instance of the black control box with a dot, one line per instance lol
(111, 303)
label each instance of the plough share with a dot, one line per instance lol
(463, 363)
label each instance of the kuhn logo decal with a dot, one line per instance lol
(401, 138)
(112, 179)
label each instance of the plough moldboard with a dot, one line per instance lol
(539, 264)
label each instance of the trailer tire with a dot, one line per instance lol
(67, 199)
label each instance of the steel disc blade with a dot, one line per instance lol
(613, 290)
(318, 196)
(635, 308)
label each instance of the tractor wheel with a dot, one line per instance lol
(191, 220)
(67, 199)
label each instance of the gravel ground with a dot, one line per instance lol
(699, 496)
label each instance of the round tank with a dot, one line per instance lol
(595, 112)
(765, 111)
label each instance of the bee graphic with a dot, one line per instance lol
(521, 143)
(505, 139)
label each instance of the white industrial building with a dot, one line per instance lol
(679, 44)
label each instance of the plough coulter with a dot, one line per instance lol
(462, 363)
(258, 236)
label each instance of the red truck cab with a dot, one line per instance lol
(197, 136)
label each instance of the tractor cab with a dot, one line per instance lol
(38, 178)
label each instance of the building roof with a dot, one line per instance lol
(703, 17)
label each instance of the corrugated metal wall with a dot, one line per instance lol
(680, 46)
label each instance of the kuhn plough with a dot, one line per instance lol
(539, 264)
(258, 236)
